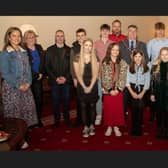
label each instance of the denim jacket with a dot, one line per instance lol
(10, 67)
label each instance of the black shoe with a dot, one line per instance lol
(151, 119)
(77, 124)
(136, 133)
(56, 124)
(40, 124)
(68, 122)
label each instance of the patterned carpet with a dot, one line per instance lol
(66, 138)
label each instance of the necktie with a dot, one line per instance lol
(132, 45)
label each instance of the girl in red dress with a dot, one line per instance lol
(113, 75)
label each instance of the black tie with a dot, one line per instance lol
(132, 45)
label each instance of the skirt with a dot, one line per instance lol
(113, 110)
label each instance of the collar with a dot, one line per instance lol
(10, 49)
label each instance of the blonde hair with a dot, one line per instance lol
(27, 33)
(158, 59)
(93, 60)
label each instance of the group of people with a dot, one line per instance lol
(107, 76)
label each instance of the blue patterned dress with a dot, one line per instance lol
(16, 103)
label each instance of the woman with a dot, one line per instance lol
(18, 101)
(159, 91)
(86, 67)
(36, 58)
(138, 81)
(113, 76)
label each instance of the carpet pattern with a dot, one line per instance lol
(66, 137)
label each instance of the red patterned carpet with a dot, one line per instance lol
(64, 138)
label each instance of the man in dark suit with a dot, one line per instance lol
(127, 46)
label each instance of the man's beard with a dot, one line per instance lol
(117, 33)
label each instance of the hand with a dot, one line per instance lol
(87, 89)
(134, 95)
(114, 92)
(24, 87)
(40, 76)
(152, 98)
(140, 95)
(75, 82)
(21, 87)
(62, 80)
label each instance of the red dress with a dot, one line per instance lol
(113, 111)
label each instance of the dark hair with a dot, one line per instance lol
(132, 26)
(104, 26)
(116, 21)
(107, 58)
(160, 25)
(59, 30)
(7, 35)
(132, 64)
(80, 30)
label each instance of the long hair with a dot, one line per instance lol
(7, 36)
(93, 58)
(143, 62)
(158, 59)
(107, 58)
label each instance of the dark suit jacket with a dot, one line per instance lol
(51, 59)
(126, 52)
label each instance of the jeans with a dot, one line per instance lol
(99, 102)
(61, 92)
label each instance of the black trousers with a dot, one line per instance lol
(137, 108)
(78, 107)
(127, 97)
(37, 91)
(153, 109)
(88, 112)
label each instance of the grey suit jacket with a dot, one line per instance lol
(126, 52)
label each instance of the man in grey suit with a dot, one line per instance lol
(127, 46)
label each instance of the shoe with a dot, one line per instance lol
(77, 124)
(68, 122)
(25, 145)
(92, 131)
(108, 131)
(136, 134)
(117, 132)
(40, 124)
(56, 124)
(98, 120)
(85, 132)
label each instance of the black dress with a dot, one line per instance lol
(91, 97)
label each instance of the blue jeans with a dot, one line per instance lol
(99, 102)
(61, 93)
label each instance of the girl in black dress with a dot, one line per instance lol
(86, 67)
(159, 92)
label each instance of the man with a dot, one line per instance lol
(155, 44)
(75, 50)
(101, 47)
(57, 68)
(153, 48)
(127, 46)
(116, 35)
